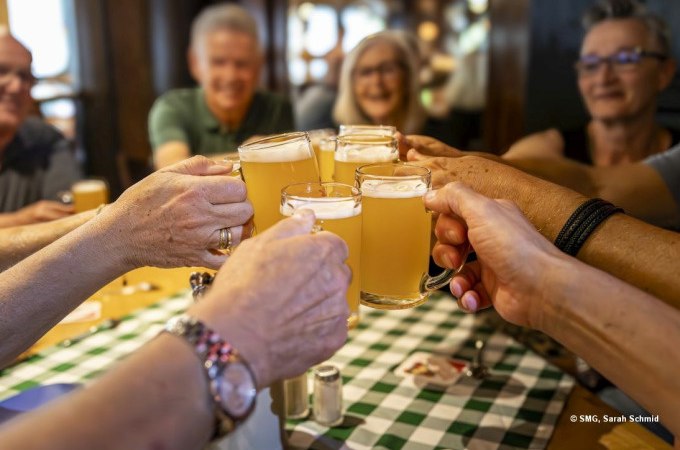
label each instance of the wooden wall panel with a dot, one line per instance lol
(508, 56)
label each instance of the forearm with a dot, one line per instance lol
(612, 326)
(631, 250)
(158, 398)
(17, 243)
(635, 187)
(12, 219)
(39, 291)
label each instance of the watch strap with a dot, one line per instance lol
(215, 354)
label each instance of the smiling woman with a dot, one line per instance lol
(624, 65)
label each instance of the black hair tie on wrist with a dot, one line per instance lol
(581, 224)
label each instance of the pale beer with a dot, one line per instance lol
(395, 242)
(355, 150)
(318, 139)
(338, 209)
(269, 164)
(89, 194)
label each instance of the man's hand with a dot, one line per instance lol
(425, 145)
(281, 298)
(172, 217)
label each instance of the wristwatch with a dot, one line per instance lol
(230, 380)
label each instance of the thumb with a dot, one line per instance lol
(198, 165)
(455, 198)
(301, 222)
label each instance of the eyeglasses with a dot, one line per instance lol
(621, 61)
(389, 70)
(7, 74)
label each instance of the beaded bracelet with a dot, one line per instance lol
(581, 224)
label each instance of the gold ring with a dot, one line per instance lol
(225, 239)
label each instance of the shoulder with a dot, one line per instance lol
(182, 99)
(543, 144)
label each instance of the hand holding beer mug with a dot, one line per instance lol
(396, 231)
(337, 208)
(89, 194)
(354, 150)
(269, 164)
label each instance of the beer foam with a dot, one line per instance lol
(393, 188)
(324, 208)
(89, 186)
(292, 151)
(367, 154)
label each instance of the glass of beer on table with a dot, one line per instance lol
(395, 236)
(354, 150)
(89, 194)
(338, 209)
(269, 164)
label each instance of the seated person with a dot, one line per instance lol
(226, 109)
(36, 161)
(625, 63)
(172, 218)
(531, 283)
(160, 396)
(379, 85)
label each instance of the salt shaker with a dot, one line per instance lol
(327, 396)
(296, 397)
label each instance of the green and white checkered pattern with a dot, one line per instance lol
(93, 355)
(515, 407)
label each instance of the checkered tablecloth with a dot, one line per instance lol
(515, 407)
(93, 355)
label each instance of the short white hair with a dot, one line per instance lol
(347, 111)
(224, 16)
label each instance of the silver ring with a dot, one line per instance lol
(225, 239)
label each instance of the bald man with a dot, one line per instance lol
(36, 161)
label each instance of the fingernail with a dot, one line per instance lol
(430, 196)
(447, 261)
(451, 236)
(456, 289)
(470, 303)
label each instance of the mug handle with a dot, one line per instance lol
(431, 283)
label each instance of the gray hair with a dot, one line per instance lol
(629, 9)
(347, 111)
(224, 16)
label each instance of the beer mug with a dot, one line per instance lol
(395, 236)
(235, 161)
(320, 139)
(269, 164)
(338, 209)
(354, 150)
(89, 194)
(380, 130)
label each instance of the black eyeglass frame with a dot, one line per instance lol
(620, 58)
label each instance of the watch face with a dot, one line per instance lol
(236, 389)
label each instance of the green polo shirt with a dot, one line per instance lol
(183, 115)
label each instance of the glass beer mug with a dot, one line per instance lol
(396, 233)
